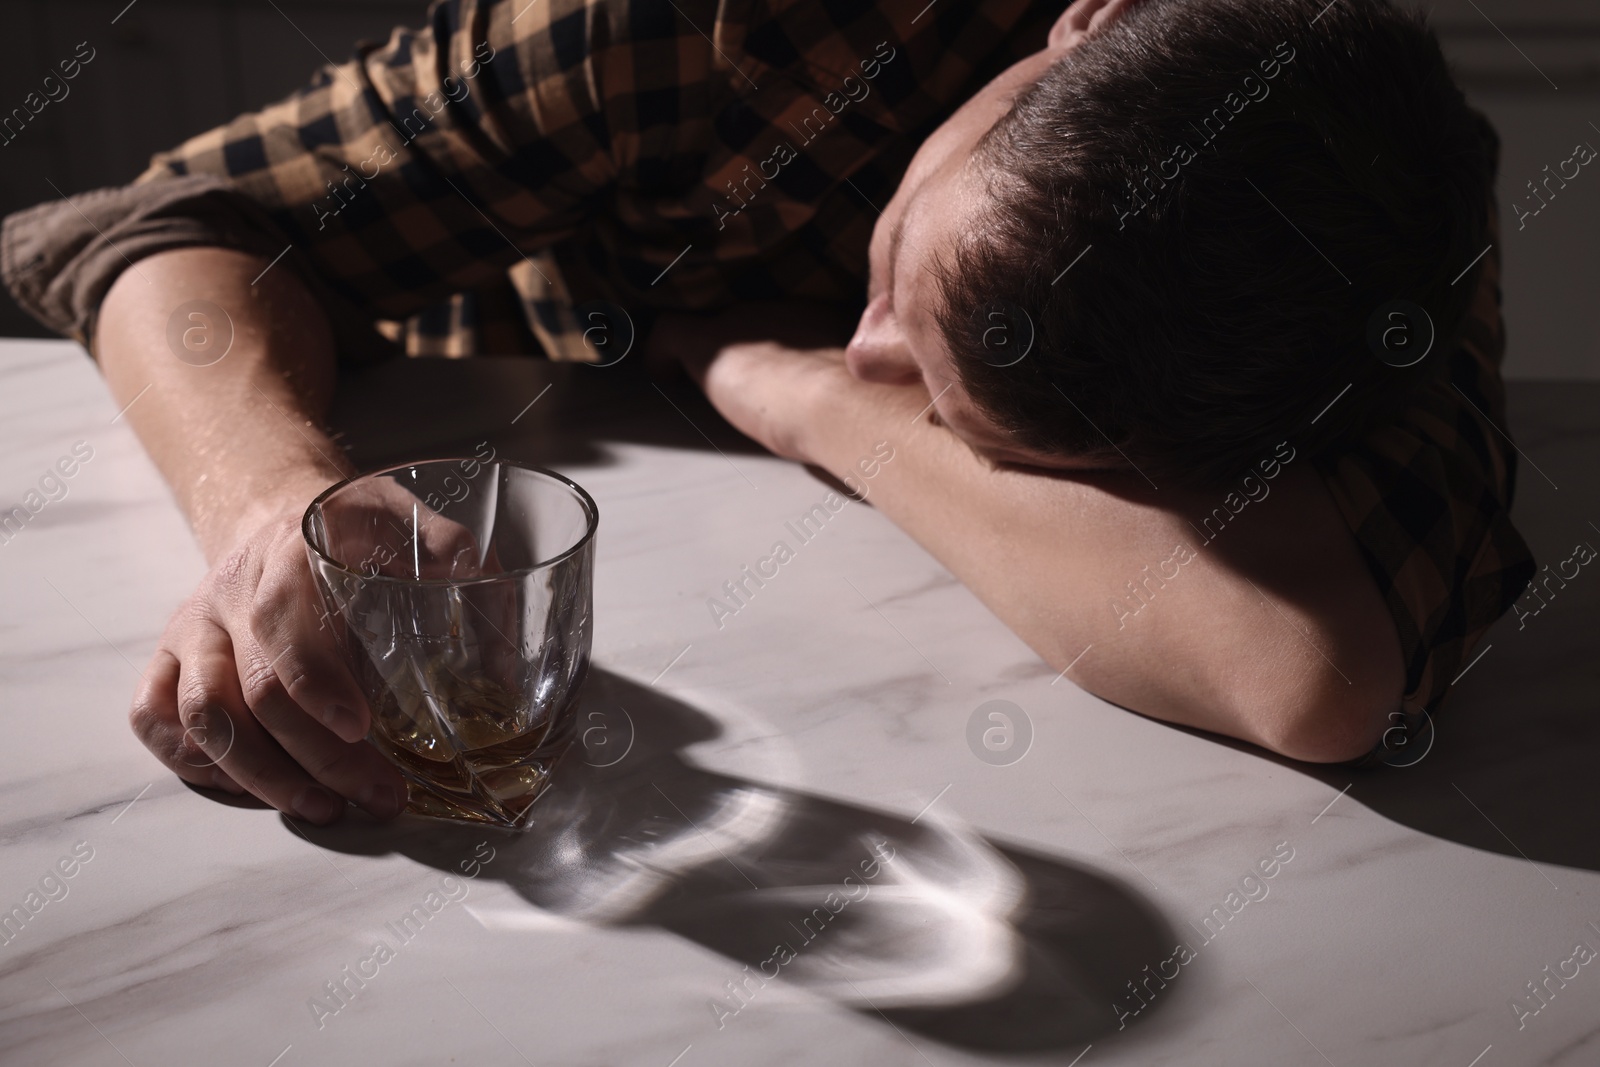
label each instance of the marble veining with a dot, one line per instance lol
(799, 778)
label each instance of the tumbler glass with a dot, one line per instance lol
(460, 591)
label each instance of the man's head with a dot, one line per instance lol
(1186, 212)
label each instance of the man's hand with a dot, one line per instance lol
(247, 690)
(767, 367)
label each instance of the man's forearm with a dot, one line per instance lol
(1273, 634)
(246, 689)
(241, 436)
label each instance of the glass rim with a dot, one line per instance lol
(591, 510)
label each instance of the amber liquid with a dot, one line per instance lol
(471, 747)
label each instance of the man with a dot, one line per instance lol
(1159, 321)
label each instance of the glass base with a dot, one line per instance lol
(506, 801)
(495, 781)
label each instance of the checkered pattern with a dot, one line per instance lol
(632, 152)
(1428, 499)
(603, 154)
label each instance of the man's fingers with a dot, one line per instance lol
(386, 529)
(353, 769)
(453, 547)
(157, 724)
(221, 708)
(286, 622)
(213, 709)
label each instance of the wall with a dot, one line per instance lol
(163, 71)
(1533, 66)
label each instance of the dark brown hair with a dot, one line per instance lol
(1247, 182)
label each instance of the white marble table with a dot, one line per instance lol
(997, 911)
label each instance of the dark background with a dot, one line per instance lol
(168, 69)
(165, 71)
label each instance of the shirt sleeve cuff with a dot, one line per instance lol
(60, 258)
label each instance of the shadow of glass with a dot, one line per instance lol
(941, 931)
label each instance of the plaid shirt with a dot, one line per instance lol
(518, 173)
(1429, 499)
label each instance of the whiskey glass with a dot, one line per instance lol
(460, 591)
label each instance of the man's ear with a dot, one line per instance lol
(1083, 18)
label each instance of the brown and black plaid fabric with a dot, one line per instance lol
(1429, 501)
(489, 182)
(497, 179)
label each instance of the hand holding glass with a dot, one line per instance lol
(462, 593)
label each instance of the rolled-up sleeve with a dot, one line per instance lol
(420, 169)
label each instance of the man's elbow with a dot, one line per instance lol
(1323, 689)
(1329, 718)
